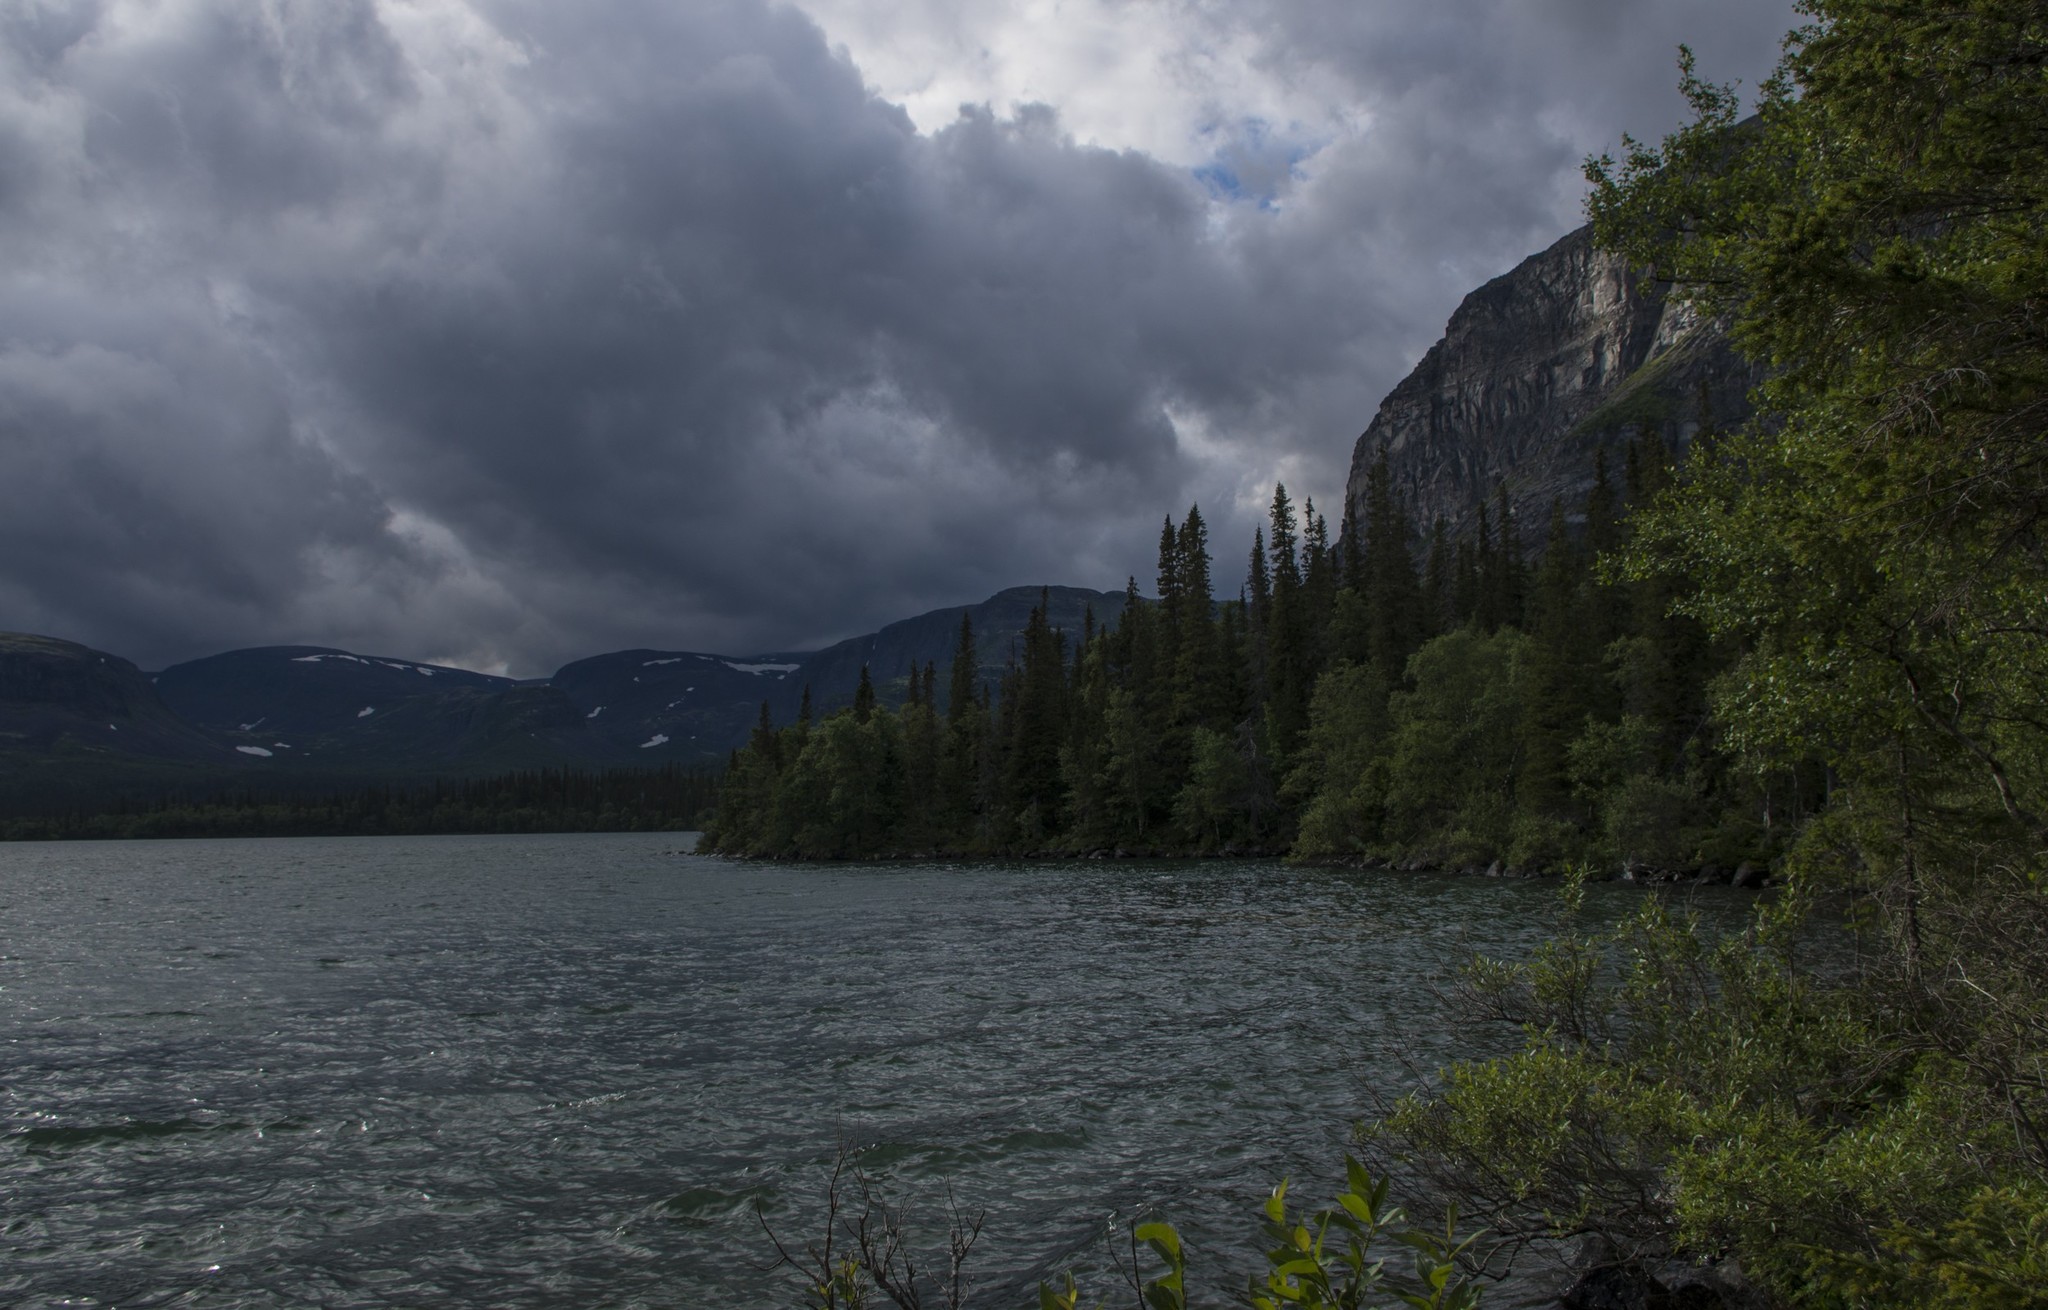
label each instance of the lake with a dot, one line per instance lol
(564, 1071)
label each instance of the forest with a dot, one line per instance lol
(535, 800)
(1392, 696)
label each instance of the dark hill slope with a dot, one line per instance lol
(59, 696)
(77, 722)
(271, 690)
(663, 707)
(833, 674)
(292, 710)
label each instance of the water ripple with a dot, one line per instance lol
(568, 1070)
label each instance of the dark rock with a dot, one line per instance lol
(1612, 1287)
(1496, 870)
(1751, 875)
(1666, 1285)
(1566, 354)
(1709, 1287)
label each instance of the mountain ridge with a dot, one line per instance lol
(78, 724)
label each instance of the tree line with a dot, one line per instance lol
(670, 798)
(1393, 695)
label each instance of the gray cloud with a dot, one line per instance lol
(510, 334)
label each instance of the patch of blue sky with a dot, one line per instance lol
(1251, 162)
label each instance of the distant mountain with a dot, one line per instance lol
(76, 721)
(650, 706)
(81, 725)
(657, 706)
(834, 673)
(305, 691)
(314, 708)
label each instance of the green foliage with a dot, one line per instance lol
(1213, 809)
(1993, 1253)
(1866, 1132)
(1868, 552)
(1692, 1096)
(1327, 1261)
(1453, 746)
(867, 1252)
(1335, 1259)
(1877, 232)
(1342, 767)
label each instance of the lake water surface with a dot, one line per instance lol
(563, 1071)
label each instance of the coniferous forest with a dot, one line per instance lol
(1392, 695)
(533, 800)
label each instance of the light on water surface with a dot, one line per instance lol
(549, 1071)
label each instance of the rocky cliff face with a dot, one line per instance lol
(1538, 369)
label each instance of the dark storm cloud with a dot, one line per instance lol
(524, 331)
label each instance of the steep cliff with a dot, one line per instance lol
(1567, 353)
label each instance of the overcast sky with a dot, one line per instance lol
(503, 332)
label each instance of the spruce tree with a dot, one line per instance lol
(1034, 724)
(1485, 576)
(1318, 587)
(1256, 603)
(1439, 612)
(1171, 600)
(966, 673)
(1288, 671)
(1350, 549)
(1200, 683)
(1392, 593)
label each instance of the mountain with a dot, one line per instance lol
(305, 691)
(651, 706)
(660, 706)
(314, 708)
(1568, 353)
(834, 673)
(76, 721)
(79, 726)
